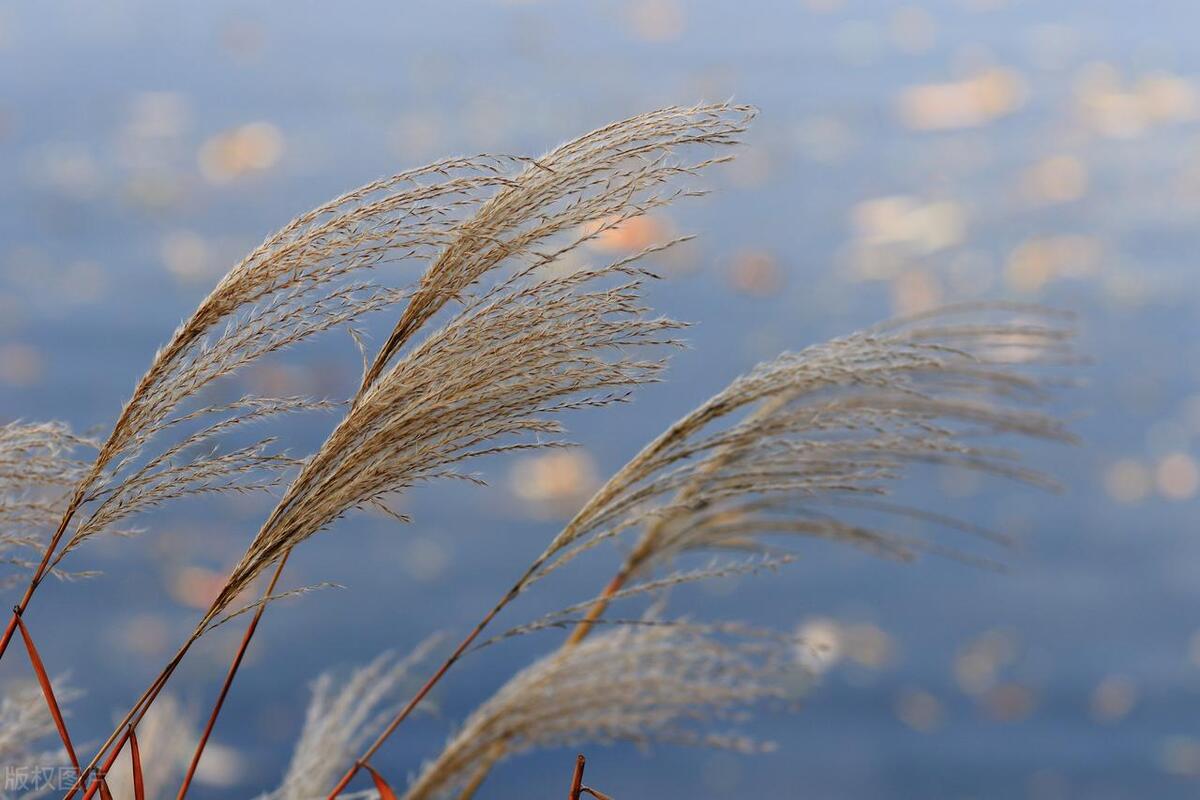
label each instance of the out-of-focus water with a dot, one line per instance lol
(906, 154)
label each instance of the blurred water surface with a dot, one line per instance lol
(906, 154)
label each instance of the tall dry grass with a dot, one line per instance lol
(791, 448)
(488, 349)
(470, 218)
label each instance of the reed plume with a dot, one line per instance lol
(38, 466)
(524, 348)
(639, 684)
(340, 719)
(583, 188)
(24, 722)
(800, 441)
(490, 381)
(494, 374)
(165, 739)
(303, 280)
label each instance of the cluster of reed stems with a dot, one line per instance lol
(494, 340)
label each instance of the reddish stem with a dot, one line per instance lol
(233, 669)
(38, 574)
(580, 631)
(577, 778)
(47, 690)
(429, 684)
(9, 630)
(135, 763)
(118, 737)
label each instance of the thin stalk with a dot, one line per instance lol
(135, 715)
(641, 555)
(38, 574)
(120, 735)
(578, 633)
(77, 500)
(494, 754)
(233, 669)
(584, 626)
(416, 699)
(642, 552)
(577, 778)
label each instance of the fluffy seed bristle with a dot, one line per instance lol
(339, 721)
(526, 348)
(25, 724)
(799, 440)
(508, 362)
(586, 187)
(303, 280)
(638, 684)
(38, 467)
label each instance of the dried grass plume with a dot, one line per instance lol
(640, 684)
